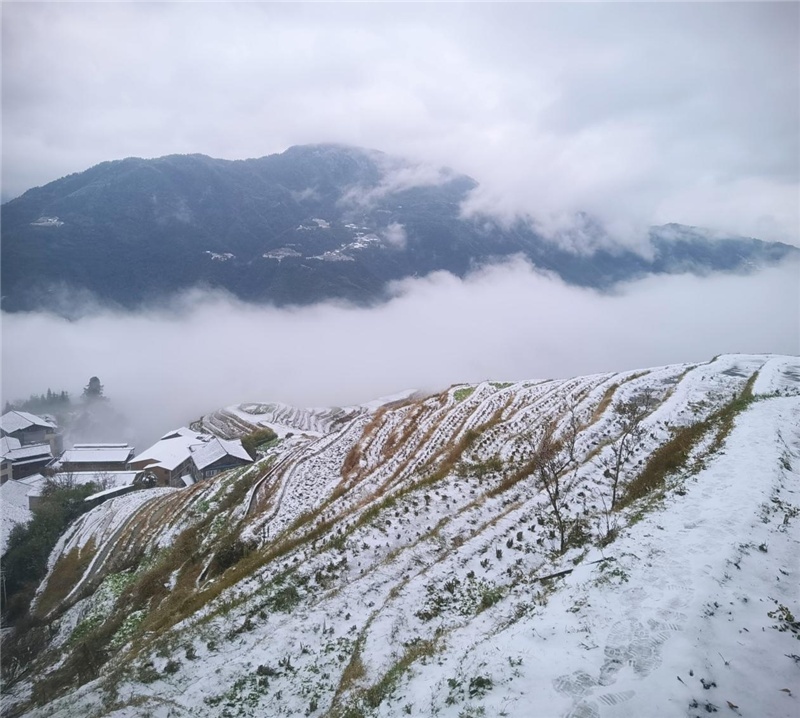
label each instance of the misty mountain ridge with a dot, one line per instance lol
(550, 548)
(314, 223)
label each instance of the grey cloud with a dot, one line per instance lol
(397, 175)
(395, 235)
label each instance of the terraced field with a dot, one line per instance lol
(539, 548)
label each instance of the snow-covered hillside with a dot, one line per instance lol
(454, 555)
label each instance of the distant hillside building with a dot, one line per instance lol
(170, 458)
(30, 429)
(18, 461)
(218, 455)
(183, 456)
(95, 457)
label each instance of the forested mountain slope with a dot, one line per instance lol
(317, 222)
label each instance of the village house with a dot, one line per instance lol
(95, 457)
(30, 429)
(17, 461)
(182, 456)
(170, 458)
(218, 455)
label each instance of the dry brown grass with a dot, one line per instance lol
(65, 576)
(605, 402)
(353, 459)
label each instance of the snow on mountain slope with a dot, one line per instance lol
(235, 421)
(412, 559)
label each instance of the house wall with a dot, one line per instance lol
(35, 435)
(161, 474)
(175, 475)
(220, 465)
(100, 499)
(68, 466)
(20, 471)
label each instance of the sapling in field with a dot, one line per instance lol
(554, 465)
(628, 416)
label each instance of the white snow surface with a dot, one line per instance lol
(430, 579)
(90, 454)
(170, 452)
(14, 420)
(7, 444)
(15, 509)
(206, 454)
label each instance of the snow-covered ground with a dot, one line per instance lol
(404, 559)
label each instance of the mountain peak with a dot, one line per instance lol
(316, 222)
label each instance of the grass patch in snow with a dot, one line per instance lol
(354, 670)
(414, 651)
(89, 652)
(372, 697)
(461, 394)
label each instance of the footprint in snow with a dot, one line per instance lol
(613, 699)
(584, 709)
(631, 643)
(669, 622)
(591, 709)
(681, 598)
(575, 685)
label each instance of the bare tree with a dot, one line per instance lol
(104, 480)
(629, 416)
(61, 480)
(554, 466)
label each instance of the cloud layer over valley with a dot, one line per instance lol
(165, 367)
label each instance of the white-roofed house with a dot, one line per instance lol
(95, 457)
(170, 458)
(218, 455)
(18, 461)
(7, 444)
(185, 433)
(30, 429)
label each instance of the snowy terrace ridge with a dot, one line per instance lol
(454, 555)
(236, 421)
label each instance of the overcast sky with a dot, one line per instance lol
(640, 114)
